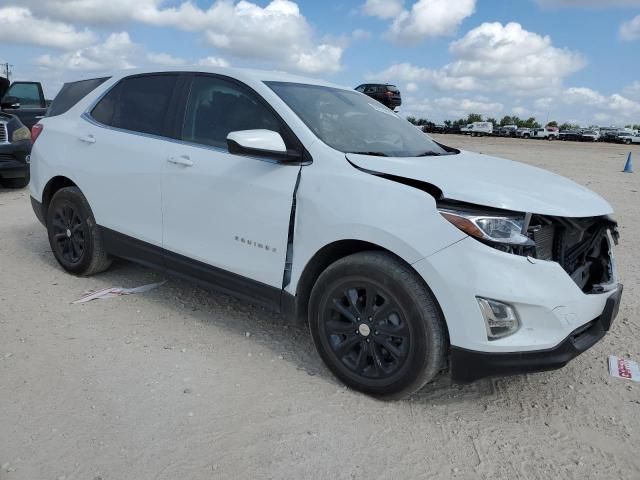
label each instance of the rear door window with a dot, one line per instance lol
(138, 104)
(72, 93)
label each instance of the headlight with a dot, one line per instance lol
(21, 133)
(505, 230)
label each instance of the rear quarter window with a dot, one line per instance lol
(71, 93)
(137, 104)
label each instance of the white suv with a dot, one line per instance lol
(407, 258)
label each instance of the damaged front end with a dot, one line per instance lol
(581, 246)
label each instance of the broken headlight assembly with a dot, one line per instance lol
(581, 246)
(502, 231)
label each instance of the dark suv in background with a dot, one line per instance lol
(386, 94)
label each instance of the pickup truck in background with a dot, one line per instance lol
(547, 133)
(25, 100)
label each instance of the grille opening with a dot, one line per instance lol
(580, 246)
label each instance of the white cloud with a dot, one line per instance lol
(429, 18)
(18, 25)
(360, 34)
(630, 30)
(495, 57)
(116, 52)
(459, 107)
(165, 60)
(592, 104)
(442, 108)
(213, 62)
(277, 33)
(383, 8)
(92, 11)
(588, 3)
(412, 87)
(632, 91)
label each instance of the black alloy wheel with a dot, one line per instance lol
(376, 325)
(366, 330)
(74, 237)
(69, 232)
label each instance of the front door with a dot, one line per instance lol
(229, 213)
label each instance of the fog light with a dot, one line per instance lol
(500, 318)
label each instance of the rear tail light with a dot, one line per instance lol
(389, 94)
(36, 130)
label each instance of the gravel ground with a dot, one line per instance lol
(181, 383)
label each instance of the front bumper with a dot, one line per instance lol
(468, 366)
(14, 159)
(549, 303)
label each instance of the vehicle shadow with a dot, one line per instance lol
(182, 299)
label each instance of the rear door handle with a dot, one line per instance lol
(88, 139)
(182, 160)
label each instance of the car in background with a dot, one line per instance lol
(25, 100)
(547, 133)
(435, 128)
(15, 147)
(591, 136)
(628, 138)
(478, 129)
(453, 129)
(508, 131)
(523, 132)
(386, 94)
(570, 135)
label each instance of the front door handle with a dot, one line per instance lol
(182, 160)
(88, 139)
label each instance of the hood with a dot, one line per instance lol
(493, 182)
(4, 86)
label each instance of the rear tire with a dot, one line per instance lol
(377, 326)
(73, 234)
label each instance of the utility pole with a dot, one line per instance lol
(7, 70)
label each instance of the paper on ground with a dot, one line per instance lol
(116, 292)
(624, 368)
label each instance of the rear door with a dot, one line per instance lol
(120, 147)
(226, 217)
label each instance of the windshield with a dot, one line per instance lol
(354, 123)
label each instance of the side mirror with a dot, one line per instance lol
(10, 102)
(260, 143)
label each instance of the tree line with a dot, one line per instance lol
(530, 122)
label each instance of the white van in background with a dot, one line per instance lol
(478, 129)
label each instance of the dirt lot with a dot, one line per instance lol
(181, 383)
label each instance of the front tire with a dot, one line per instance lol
(73, 234)
(377, 326)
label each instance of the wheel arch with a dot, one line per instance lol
(53, 185)
(331, 253)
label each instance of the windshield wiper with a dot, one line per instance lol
(429, 154)
(373, 154)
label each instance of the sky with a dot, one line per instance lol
(566, 60)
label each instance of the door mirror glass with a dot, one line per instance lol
(10, 102)
(264, 143)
